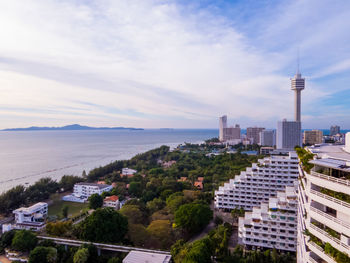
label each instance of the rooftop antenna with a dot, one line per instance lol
(298, 63)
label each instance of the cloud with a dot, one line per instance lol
(156, 63)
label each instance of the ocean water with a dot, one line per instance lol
(26, 156)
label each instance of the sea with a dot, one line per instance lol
(26, 156)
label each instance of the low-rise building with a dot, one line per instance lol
(112, 201)
(273, 224)
(127, 172)
(29, 218)
(266, 150)
(146, 257)
(82, 191)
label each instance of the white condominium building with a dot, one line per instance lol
(258, 183)
(85, 190)
(30, 218)
(267, 138)
(222, 126)
(273, 224)
(82, 191)
(324, 206)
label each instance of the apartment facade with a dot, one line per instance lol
(222, 126)
(258, 183)
(313, 137)
(273, 224)
(324, 206)
(288, 134)
(254, 134)
(267, 138)
(29, 218)
(334, 130)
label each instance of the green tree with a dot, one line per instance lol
(138, 234)
(161, 234)
(133, 213)
(193, 217)
(64, 211)
(114, 260)
(95, 201)
(24, 240)
(81, 256)
(135, 189)
(58, 228)
(7, 237)
(103, 225)
(155, 205)
(43, 255)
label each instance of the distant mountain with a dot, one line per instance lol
(72, 127)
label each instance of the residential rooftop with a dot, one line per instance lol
(101, 186)
(146, 257)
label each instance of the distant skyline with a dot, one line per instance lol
(176, 64)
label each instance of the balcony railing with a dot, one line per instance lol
(336, 240)
(334, 219)
(331, 178)
(324, 255)
(335, 200)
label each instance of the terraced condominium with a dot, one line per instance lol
(324, 206)
(258, 183)
(273, 224)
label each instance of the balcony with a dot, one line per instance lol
(324, 236)
(319, 251)
(330, 201)
(338, 225)
(330, 182)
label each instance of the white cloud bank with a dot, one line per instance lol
(146, 64)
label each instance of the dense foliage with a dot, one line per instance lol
(24, 240)
(95, 201)
(103, 225)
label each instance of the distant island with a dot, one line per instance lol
(72, 127)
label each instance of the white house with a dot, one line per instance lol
(128, 172)
(112, 201)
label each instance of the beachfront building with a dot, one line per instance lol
(29, 218)
(324, 206)
(82, 191)
(288, 134)
(267, 138)
(112, 201)
(272, 224)
(313, 137)
(254, 134)
(258, 183)
(334, 130)
(222, 126)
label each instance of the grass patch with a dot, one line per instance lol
(74, 209)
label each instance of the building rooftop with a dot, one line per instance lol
(31, 208)
(146, 257)
(112, 198)
(330, 151)
(101, 186)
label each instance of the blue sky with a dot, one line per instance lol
(174, 64)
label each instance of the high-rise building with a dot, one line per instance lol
(334, 130)
(222, 126)
(253, 133)
(313, 137)
(267, 138)
(324, 208)
(288, 134)
(232, 133)
(258, 183)
(273, 224)
(298, 84)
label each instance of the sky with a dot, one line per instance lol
(172, 64)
